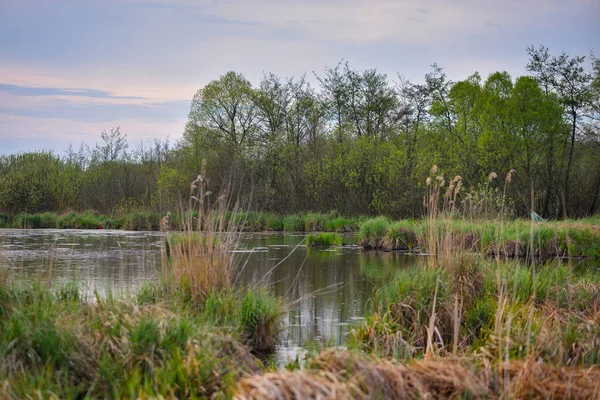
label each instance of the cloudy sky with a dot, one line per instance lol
(70, 69)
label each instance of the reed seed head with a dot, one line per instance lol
(509, 175)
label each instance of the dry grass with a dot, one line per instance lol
(343, 374)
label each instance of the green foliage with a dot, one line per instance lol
(4, 220)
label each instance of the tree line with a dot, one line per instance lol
(356, 141)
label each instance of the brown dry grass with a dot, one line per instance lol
(343, 374)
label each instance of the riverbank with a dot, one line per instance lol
(507, 239)
(154, 221)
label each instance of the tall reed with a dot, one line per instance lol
(200, 260)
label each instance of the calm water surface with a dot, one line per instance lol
(327, 289)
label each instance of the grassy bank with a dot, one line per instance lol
(189, 335)
(55, 343)
(510, 239)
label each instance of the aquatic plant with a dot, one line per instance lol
(324, 239)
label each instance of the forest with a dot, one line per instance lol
(357, 142)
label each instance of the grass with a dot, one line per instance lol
(372, 232)
(496, 238)
(69, 347)
(474, 304)
(476, 329)
(324, 239)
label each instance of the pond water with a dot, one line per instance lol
(327, 289)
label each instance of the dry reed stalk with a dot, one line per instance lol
(429, 351)
(440, 236)
(456, 318)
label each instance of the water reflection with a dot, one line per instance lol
(101, 260)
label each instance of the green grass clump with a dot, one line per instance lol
(401, 235)
(324, 239)
(55, 342)
(260, 314)
(341, 224)
(315, 222)
(274, 223)
(372, 232)
(294, 223)
(545, 312)
(141, 221)
(18, 222)
(48, 220)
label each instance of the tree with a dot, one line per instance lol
(113, 149)
(227, 111)
(568, 78)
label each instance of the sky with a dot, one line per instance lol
(70, 69)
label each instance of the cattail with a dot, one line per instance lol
(433, 170)
(492, 176)
(509, 175)
(428, 181)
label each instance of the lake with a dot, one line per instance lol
(326, 289)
